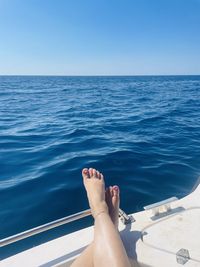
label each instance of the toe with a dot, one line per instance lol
(98, 175)
(115, 190)
(91, 172)
(95, 173)
(101, 176)
(85, 173)
(111, 191)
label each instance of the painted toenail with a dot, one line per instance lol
(116, 188)
(85, 171)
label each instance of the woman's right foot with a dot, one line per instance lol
(112, 200)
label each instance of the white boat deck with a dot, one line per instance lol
(151, 241)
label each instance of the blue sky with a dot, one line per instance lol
(99, 37)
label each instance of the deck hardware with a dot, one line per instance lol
(125, 219)
(162, 206)
(182, 256)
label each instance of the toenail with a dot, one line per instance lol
(116, 188)
(85, 171)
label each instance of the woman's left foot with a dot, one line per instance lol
(112, 200)
(94, 184)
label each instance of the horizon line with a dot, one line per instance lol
(98, 75)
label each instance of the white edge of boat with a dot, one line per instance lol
(166, 234)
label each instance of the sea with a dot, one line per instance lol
(141, 132)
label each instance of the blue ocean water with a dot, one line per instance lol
(142, 132)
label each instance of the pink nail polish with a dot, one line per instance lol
(116, 188)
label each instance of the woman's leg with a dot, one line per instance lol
(112, 201)
(108, 249)
(85, 259)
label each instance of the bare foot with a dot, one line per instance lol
(112, 200)
(94, 184)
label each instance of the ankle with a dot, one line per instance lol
(100, 213)
(101, 208)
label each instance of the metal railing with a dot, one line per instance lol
(45, 227)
